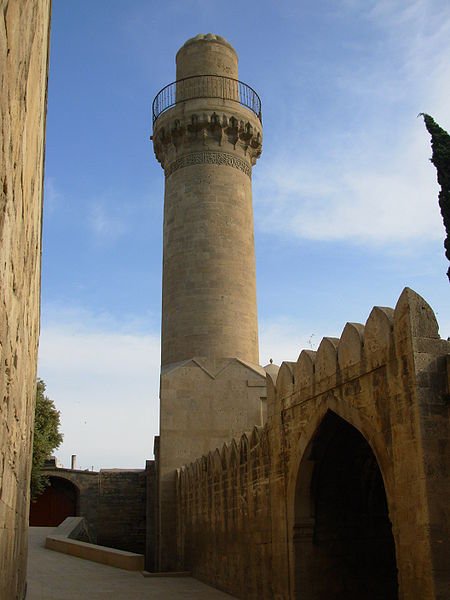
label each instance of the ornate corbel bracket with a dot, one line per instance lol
(199, 132)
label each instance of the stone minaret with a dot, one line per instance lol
(207, 136)
(207, 144)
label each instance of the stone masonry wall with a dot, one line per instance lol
(121, 517)
(114, 503)
(24, 40)
(224, 526)
(203, 404)
(246, 519)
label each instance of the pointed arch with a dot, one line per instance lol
(337, 499)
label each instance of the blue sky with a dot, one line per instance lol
(345, 198)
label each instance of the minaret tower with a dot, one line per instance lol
(207, 135)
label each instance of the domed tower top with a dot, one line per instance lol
(207, 54)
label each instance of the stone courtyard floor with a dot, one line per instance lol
(56, 576)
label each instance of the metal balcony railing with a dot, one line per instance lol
(206, 86)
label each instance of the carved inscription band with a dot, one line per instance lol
(210, 158)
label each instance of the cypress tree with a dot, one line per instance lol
(440, 145)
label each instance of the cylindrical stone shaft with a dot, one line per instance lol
(207, 143)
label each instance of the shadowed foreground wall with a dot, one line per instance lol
(24, 39)
(344, 492)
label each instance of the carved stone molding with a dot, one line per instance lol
(172, 136)
(210, 158)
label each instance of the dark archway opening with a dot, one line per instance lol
(58, 501)
(344, 548)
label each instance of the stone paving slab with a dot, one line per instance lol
(56, 576)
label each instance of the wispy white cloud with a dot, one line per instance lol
(372, 183)
(104, 379)
(107, 223)
(395, 203)
(52, 196)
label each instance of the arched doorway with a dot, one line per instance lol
(58, 501)
(344, 548)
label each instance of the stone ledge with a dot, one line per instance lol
(61, 541)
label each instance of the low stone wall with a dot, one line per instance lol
(365, 419)
(65, 539)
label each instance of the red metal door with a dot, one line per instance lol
(58, 501)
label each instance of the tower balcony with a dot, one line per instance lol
(206, 86)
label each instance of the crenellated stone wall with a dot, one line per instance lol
(365, 418)
(224, 519)
(24, 41)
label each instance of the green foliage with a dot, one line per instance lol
(440, 144)
(46, 437)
